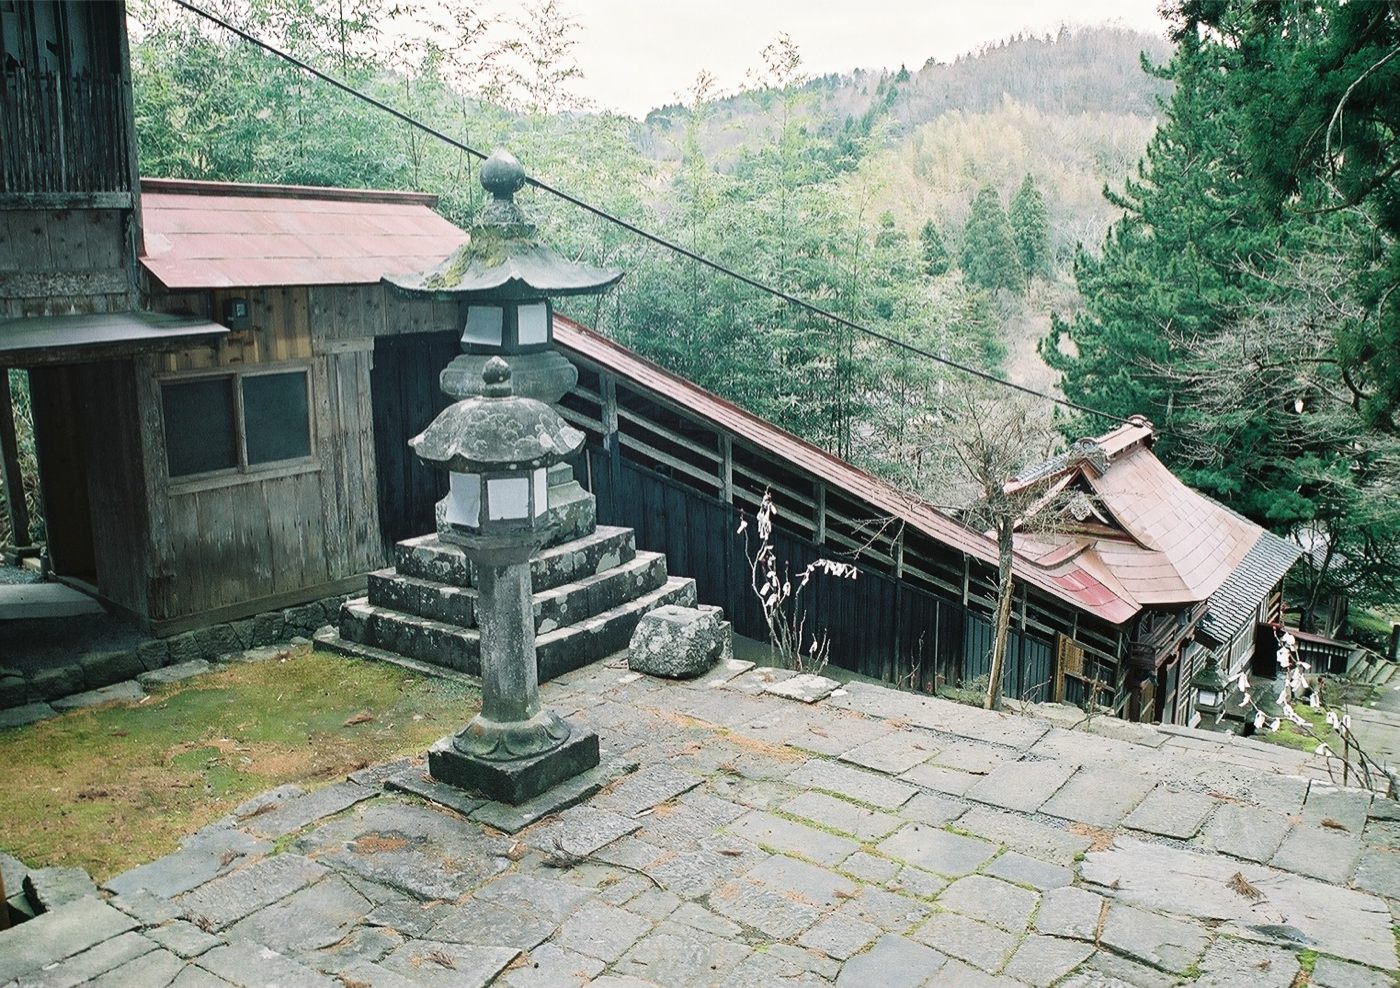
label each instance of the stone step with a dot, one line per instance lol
(597, 637)
(428, 558)
(424, 598)
(559, 651)
(555, 608)
(592, 595)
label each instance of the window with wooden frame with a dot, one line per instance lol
(236, 423)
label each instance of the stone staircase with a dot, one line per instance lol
(589, 594)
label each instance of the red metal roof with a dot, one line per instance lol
(1067, 581)
(227, 235)
(1169, 544)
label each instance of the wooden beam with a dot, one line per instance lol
(15, 508)
(821, 513)
(66, 200)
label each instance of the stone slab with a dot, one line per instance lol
(837, 814)
(55, 935)
(29, 713)
(173, 674)
(896, 752)
(938, 851)
(198, 862)
(1015, 867)
(1243, 831)
(81, 969)
(1071, 912)
(251, 965)
(49, 888)
(894, 962)
(959, 936)
(1332, 919)
(991, 901)
(226, 900)
(1041, 960)
(1329, 855)
(1098, 797)
(805, 687)
(417, 782)
(292, 815)
(1171, 814)
(125, 691)
(857, 784)
(1154, 939)
(184, 939)
(1022, 786)
(790, 837)
(306, 920)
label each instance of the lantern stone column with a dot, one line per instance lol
(498, 448)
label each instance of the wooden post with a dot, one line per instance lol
(15, 507)
(821, 513)
(4, 902)
(726, 468)
(607, 384)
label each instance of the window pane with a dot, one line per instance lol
(533, 324)
(483, 325)
(276, 425)
(199, 432)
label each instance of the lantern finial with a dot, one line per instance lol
(502, 175)
(496, 375)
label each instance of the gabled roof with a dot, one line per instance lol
(1067, 581)
(1234, 606)
(1164, 543)
(233, 235)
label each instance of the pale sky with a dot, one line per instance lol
(640, 54)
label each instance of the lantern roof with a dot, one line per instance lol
(503, 258)
(496, 431)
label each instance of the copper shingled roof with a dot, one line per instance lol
(1069, 581)
(225, 235)
(1168, 544)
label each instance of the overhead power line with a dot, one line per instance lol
(644, 233)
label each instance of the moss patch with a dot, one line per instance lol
(110, 788)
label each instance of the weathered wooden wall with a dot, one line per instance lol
(55, 262)
(244, 542)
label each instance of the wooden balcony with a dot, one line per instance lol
(65, 141)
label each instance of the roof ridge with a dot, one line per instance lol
(200, 187)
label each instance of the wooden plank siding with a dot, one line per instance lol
(239, 542)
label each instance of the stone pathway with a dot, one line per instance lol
(735, 837)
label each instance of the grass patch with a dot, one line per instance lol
(110, 788)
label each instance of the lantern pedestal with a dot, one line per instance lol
(518, 780)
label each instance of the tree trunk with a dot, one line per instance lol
(1001, 630)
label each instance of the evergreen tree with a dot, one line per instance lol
(935, 252)
(989, 256)
(1031, 225)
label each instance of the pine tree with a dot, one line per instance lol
(935, 252)
(1031, 225)
(989, 256)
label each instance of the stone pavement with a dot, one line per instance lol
(734, 837)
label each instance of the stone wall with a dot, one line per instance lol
(97, 668)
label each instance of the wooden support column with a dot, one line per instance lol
(967, 578)
(726, 468)
(899, 555)
(15, 508)
(607, 385)
(821, 513)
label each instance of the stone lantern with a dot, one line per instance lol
(504, 280)
(497, 447)
(1211, 690)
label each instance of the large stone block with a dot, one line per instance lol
(677, 642)
(517, 781)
